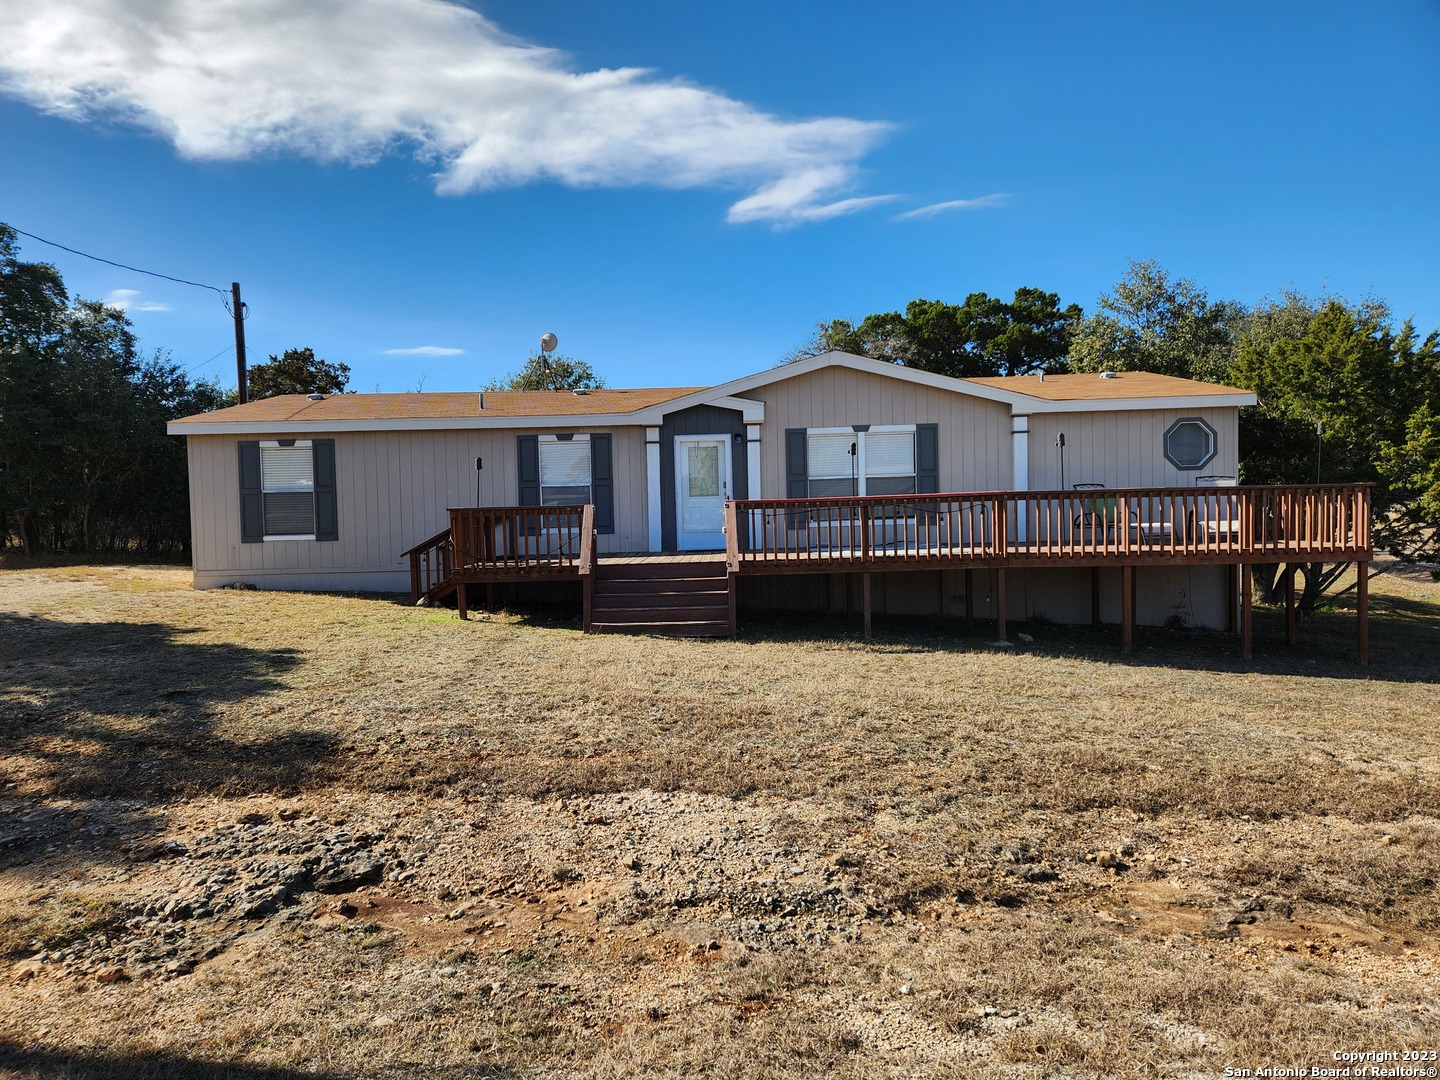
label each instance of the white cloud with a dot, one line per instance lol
(350, 80)
(983, 202)
(425, 350)
(799, 198)
(129, 300)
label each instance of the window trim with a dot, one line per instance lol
(288, 444)
(859, 431)
(1211, 450)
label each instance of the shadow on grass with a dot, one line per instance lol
(1404, 640)
(62, 1065)
(98, 710)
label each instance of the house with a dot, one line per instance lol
(929, 494)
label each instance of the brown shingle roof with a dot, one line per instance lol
(287, 407)
(1091, 387)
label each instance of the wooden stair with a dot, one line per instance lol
(671, 599)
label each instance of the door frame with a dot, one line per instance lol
(727, 483)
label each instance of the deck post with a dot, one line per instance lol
(1247, 586)
(1127, 607)
(1231, 587)
(865, 577)
(1000, 603)
(969, 599)
(460, 600)
(1289, 605)
(1094, 596)
(1362, 613)
(731, 588)
(587, 600)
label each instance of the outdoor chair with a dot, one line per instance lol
(1219, 514)
(1100, 515)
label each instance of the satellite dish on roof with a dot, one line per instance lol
(548, 342)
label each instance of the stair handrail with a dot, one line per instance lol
(431, 564)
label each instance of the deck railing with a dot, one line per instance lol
(523, 540)
(1329, 521)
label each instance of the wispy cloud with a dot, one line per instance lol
(351, 80)
(798, 199)
(983, 202)
(425, 350)
(129, 300)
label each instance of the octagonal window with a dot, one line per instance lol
(1189, 443)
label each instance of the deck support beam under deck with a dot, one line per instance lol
(1127, 607)
(866, 589)
(1290, 634)
(1000, 603)
(1247, 588)
(1362, 613)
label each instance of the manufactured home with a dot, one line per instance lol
(836, 482)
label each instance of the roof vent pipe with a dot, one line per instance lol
(482, 400)
(1042, 376)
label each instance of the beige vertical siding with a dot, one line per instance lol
(1125, 449)
(974, 435)
(393, 490)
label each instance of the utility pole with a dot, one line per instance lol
(237, 309)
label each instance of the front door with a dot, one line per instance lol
(702, 484)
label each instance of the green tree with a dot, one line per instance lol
(552, 372)
(33, 304)
(85, 463)
(99, 357)
(1153, 322)
(983, 336)
(837, 335)
(1412, 469)
(1342, 392)
(297, 371)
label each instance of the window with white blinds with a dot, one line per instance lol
(834, 470)
(889, 462)
(861, 462)
(564, 470)
(287, 489)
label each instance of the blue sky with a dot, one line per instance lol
(389, 175)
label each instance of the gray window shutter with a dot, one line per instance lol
(927, 458)
(602, 483)
(529, 476)
(797, 473)
(529, 457)
(327, 510)
(252, 515)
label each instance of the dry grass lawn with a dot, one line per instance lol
(789, 855)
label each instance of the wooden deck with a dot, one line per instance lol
(997, 530)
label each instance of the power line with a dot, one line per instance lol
(111, 262)
(212, 359)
